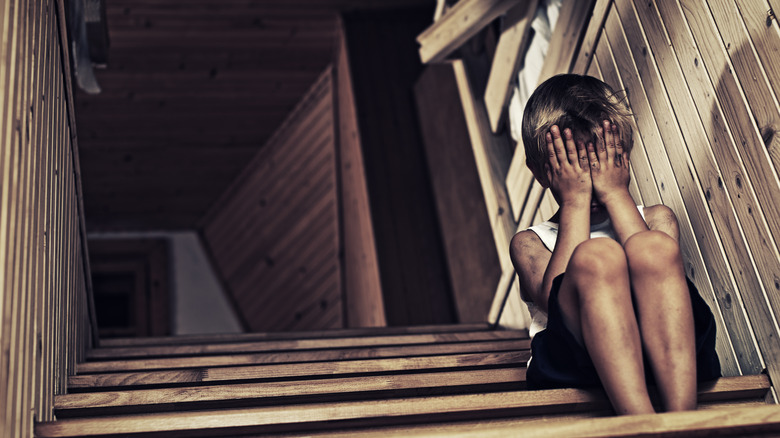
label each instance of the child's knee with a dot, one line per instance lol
(601, 257)
(651, 251)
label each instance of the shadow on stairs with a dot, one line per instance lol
(456, 380)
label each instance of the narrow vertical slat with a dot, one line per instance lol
(11, 206)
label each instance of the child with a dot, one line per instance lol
(605, 276)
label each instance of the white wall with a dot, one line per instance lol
(199, 303)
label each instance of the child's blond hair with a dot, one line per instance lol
(580, 103)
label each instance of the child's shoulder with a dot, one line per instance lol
(527, 240)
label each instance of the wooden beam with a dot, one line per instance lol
(459, 24)
(507, 60)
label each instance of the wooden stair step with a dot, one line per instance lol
(376, 413)
(114, 353)
(180, 377)
(302, 356)
(271, 336)
(288, 392)
(739, 420)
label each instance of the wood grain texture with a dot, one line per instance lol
(593, 31)
(43, 314)
(274, 235)
(363, 413)
(654, 119)
(332, 368)
(287, 392)
(299, 356)
(742, 421)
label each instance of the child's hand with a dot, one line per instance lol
(608, 163)
(567, 168)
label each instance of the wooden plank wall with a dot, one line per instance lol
(702, 79)
(44, 322)
(274, 235)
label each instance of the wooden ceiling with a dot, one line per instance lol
(192, 90)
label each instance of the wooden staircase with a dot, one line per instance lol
(459, 380)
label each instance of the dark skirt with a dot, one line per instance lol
(559, 361)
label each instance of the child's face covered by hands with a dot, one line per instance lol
(568, 172)
(608, 162)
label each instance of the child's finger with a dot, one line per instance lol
(552, 157)
(601, 145)
(559, 147)
(609, 140)
(571, 147)
(548, 171)
(582, 155)
(619, 153)
(593, 158)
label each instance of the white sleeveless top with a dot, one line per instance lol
(548, 233)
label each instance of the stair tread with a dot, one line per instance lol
(268, 336)
(736, 422)
(513, 426)
(298, 370)
(302, 356)
(102, 353)
(750, 419)
(288, 391)
(377, 412)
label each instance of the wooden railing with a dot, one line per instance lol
(46, 323)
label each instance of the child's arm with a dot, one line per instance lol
(569, 176)
(610, 173)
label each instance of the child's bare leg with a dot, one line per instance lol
(595, 299)
(665, 316)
